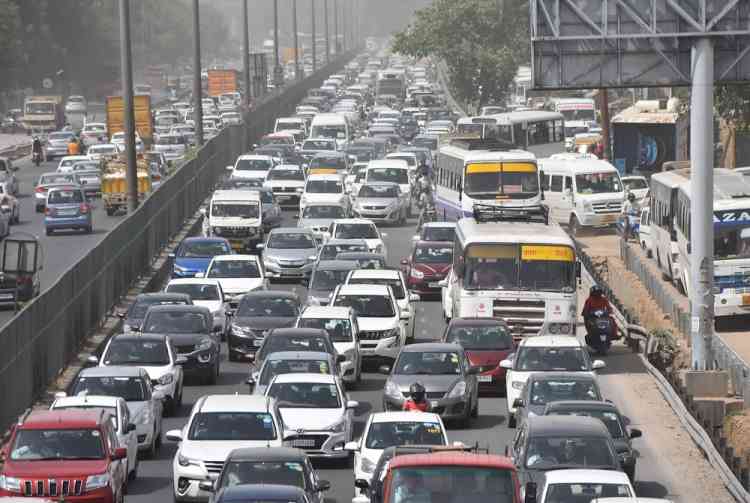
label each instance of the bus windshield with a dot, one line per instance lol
(584, 114)
(732, 241)
(511, 180)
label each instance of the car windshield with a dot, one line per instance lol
(86, 166)
(389, 434)
(430, 143)
(545, 391)
(393, 175)
(136, 352)
(290, 241)
(337, 132)
(55, 178)
(481, 337)
(428, 362)
(394, 283)
(175, 322)
(331, 251)
(196, 291)
(635, 183)
(328, 279)
(438, 234)
(228, 426)
(308, 395)
(286, 174)
(141, 305)
(131, 389)
(586, 492)
(324, 187)
(286, 473)
(240, 184)
(203, 249)
(610, 419)
(579, 114)
(473, 484)
(356, 231)
(35, 445)
(318, 145)
(548, 359)
(267, 306)
(339, 329)
(598, 183)
(273, 368)
(237, 210)
(550, 453)
(293, 343)
(367, 306)
(323, 212)
(234, 269)
(328, 162)
(383, 191)
(433, 254)
(253, 165)
(65, 197)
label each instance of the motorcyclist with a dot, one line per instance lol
(417, 401)
(596, 301)
(36, 148)
(629, 209)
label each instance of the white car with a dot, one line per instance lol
(118, 139)
(94, 133)
(230, 118)
(156, 354)
(237, 275)
(287, 182)
(389, 429)
(75, 104)
(638, 185)
(584, 485)
(343, 329)
(316, 413)
(380, 329)
(544, 353)
(360, 228)
(324, 189)
(66, 162)
(218, 424)
(204, 292)
(251, 167)
(98, 152)
(394, 278)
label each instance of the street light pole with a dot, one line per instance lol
(197, 86)
(276, 65)
(126, 64)
(296, 40)
(328, 42)
(336, 45)
(246, 55)
(314, 41)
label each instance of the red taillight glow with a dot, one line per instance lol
(49, 211)
(41, 190)
(84, 208)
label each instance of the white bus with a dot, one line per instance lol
(663, 204)
(579, 114)
(524, 273)
(731, 242)
(472, 171)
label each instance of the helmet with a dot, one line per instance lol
(631, 197)
(417, 392)
(596, 291)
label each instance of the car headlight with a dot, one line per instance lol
(587, 207)
(392, 390)
(338, 427)
(216, 230)
(518, 385)
(414, 273)
(624, 457)
(270, 260)
(178, 268)
(204, 345)
(459, 389)
(97, 481)
(10, 484)
(145, 418)
(185, 461)
(366, 465)
(378, 249)
(166, 379)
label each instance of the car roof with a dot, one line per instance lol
(430, 346)
(267, 454)
(308, 377)
(566, 426)
(432, 244)
(256, 492)
(179, 308)
(113, 371)
(558, 341)
(449, 225)
(87, 400)
(354, 255)
(365, 289)
(562, 376)
(299, 332)
(298, 355)
(474, 322)
(162, 296)
(199, 239)
(62, 419)
(452, 458)
(407, 417)
(284, 294)
(592, 476)
(376, 273)
(236, 403)
(339, 221)
(247, 157)
(193, 281)
(381, 184)
(291, 230)
(326, 312)
(591, 405)
(150, 337)
(235, 257)
(341, 241)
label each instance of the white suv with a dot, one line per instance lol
(343, 329)
(329, 189)
(395, 279)
(218, 424)
(544, 353)
(237, 275)
(380, 330)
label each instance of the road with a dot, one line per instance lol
(657, 475)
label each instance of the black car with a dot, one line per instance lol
(546, 387)
(272, 467)
(258, 313)
(325, 277)
(192, 331)
(267, 493)
(294, 339)
(607, 413)
(363, 153)
(544, 443)
(133, 317)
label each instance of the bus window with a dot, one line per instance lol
(568, 183)
(556, 183)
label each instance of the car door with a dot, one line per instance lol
(129, 437)
(355, 335)
(119, 467)
(553, 187)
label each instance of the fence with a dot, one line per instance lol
(42, 338)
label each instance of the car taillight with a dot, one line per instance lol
(41, 190)
(156, 177)
(49, 211)
(84, 208)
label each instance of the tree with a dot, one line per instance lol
(481, 44)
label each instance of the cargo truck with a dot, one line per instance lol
(43, 114)
(143, 120)
(221, 82)
(115, 185)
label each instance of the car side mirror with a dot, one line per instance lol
(323, 485)
(598, 364)
(230, 168)
(383, 234)
(130, 427)
(518, 403)
(352, 404)
(172, 256)
(200, 275)
(174, 435)
(158, 395)
(260, 246)
(384, 369)
(636, 433)
(181, 360)
(93, 360)
(361, 483)
(351, 447)
(203, 211)
(414, 297)
(250, 381)
(206, 485)
(506, 364)
(120, 453)
(443, 283)
(404, 261)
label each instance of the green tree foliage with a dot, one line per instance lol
(481, 41)
(733, 103)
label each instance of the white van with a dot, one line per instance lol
(334, 126)
(290, 123)
(235, 215)
(581, 190)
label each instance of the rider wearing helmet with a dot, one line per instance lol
(417, 399)
(597, 301)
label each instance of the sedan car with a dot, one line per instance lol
(89, 177)
(294, 339)
(427, 265)
(444, 371)
(67, 208)
(487, 342)
(317, 409)
(333, 247)
(102, 151)
(195, 254)
(547, 387)
(207, 293)
(46, 182)
(57, 144)
(132, 384)
(437, 231)
(289, 252)
(237, 275)
(290, 362)
(325, 277)
(133, 317)
(94, 133)
(380, 202)
(287, 182)
(154, 353)
(75, 104)
(360, 228)
(257, 314)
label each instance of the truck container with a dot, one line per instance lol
(221, 82)
(143, 119)
(115, 185)
(43, 114)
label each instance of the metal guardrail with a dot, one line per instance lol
(46, 334)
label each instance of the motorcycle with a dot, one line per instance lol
(628, 224)
(37, 158)
(599, 332)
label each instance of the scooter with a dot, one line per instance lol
(628, 225)
(599, 332)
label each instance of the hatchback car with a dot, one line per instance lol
(207, 293)
(319, 216)
(133, 317)
(333, 247)
(48, 181)
(360, 228)
(290, 362)
(287, 182)
(195, 254)
(343, 329)
(67, 208)
(57, 144)
(427, 265)
(237, 275)
(364, 260)
(257, 314)
(381, 202)
(326, 276)
(294, 339)
(547, 387)
(437, 231)
(289, 252)
(89, 177)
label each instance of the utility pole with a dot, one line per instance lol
(126, 65)
(701, 204)
(246, 56)
(277, 71)
(296, 41)
(328, 41)
(314, 41)
(336, 44)
(197, 86)
(604, 109)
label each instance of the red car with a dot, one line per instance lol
(70, 455)
(487, 342)
(428, 264)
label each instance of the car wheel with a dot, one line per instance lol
(511, 421)
(48, 232)
(151, 452)
(475, 410)
(134, 472)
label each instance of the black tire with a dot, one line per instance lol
(110, 211)
(48, 232)
(151, 452)
(475, 410)
(511, 421)
(134, 473)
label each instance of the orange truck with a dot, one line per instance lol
(144, 124)
(222, 81)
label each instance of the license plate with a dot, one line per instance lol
(434, 284)
(603, 338)
(257, 342)
(484, 378)
(67, 213)
(746, 300)
(303, 442)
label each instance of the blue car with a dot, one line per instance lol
(194, 254)
(66, 207)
